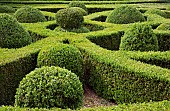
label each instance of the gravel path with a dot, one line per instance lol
(91, 99)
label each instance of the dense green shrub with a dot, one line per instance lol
(125, 15)
(62, 55)
(156, 11)
(76, 30)
(6, 9)
(28, 14)
(81, 10)
(78, 4)
(12, 34)
(69, 18)
(164, 26)
(139, 37)
(49, 87)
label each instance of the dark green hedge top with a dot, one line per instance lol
(78, 4)
(6, 9)
(69, 18)
(28, 14)
(12, 34)
(125, 15)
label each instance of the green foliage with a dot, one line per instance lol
(80, 9)
(163, 40)
(110, 41)
(12, 34)
(78, 4)
(28, 14)
(13, 70)
(125, 15)
(11, 108)
(76, 30)
(116, 77)
(62, 55)
(6, 9)
(69, 18)
(139, 37)
(113, 74)
(157, 12)
(151, 106)
(164, 26)
(49, 87)
(154, 17)
(154, 58)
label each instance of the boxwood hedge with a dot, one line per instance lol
(12, 34)
(151, 106)
(115, 75)
(49, 87)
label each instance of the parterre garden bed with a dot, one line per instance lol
(125, 77)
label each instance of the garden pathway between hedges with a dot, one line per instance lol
(91, 99)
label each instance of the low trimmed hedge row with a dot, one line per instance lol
(155, 58)
(151, 106)
(12, 72)
(116, 77)
(109, 41)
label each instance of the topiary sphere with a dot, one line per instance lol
(62, 55)
(69, 18)
(77, 4)
(125, 15)
(28, 14)
(12, 34)
(49, 87)
(157, 12)
(6, 9)
(140, 37)
(81, 10)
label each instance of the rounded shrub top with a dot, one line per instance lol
(6, 9)
(125, 15)
(28, 14)
(140, 37)
(69, 18)
(78, 4)
(12, 34)
(49, 87)
(157, 12)
(81, 10)
(62, 55)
